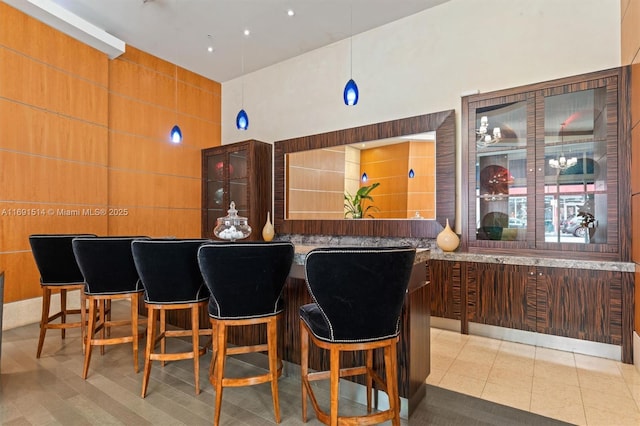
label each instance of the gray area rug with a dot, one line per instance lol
(445, 407)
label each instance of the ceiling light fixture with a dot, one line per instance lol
(290, 12)
(242, 119)
(351, 92)
(484, 138)
(562, 162)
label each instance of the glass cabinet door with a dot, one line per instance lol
(238, 180)
(574, 148)
(215, 186)
(503, 190)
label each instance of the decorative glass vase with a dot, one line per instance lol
(447, 240)
(268, 232)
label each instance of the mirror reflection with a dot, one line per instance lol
(384, 179)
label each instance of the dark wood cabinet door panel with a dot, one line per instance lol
(502, 295)
(446, 289)
(578, 303)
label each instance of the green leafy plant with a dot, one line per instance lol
(354, 204)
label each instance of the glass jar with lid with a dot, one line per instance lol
(232, 227)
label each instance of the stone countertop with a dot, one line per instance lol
(533, 261)
(422, 254)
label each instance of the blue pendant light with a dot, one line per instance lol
(364, 177)
(351, 92)
(411, 174)
(242, 120)
(176, 134)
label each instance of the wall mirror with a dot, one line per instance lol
(306, 165)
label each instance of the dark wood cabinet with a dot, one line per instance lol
(238, 172)
(586, 304)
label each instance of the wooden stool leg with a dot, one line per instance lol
(391, 367)
(304, 367)
(91, 326)
(134, 329)
(163, 330)
(334, 361)
(369, 363)
(214, 350)
(105, 330)
(151, 320)
(63, 311)
(218, 370)
(83, 319)
(195, 327)
(272, 342)
(44, 319)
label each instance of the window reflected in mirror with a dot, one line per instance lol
(384, 179)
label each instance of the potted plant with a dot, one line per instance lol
(354, 204)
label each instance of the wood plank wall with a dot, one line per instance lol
(630, 55)
(316, 184)
(84, 134)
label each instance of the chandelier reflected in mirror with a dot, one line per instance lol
(562, 162)
(484, 138)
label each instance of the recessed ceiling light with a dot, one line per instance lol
(290, 12)
(210, 47)
(247, 32)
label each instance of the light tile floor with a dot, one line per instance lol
(575, 388)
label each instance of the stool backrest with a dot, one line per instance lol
(54, 258)
(169, 271)
(107, 264)
(245, 279)
(360, 290)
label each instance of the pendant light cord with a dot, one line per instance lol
(242, 71)
(351, 40)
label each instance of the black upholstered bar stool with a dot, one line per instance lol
(358, 294)
(172, 281)
(59, 272)
(109, 274)
(245, 281)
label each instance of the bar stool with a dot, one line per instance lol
(59, 273)
(110, 274)
(172, 281)
(245, 281)
(358, 294)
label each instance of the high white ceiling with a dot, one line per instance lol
(180, 31)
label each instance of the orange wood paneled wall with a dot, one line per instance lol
(398, 195)
(85, 143)
(630, 54)
(387, 165)
(421, 189)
